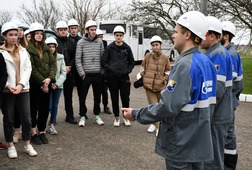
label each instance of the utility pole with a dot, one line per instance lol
(203, 6)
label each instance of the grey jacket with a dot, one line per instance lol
(184, 110)
(88, 56)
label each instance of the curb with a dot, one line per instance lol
(245, 97)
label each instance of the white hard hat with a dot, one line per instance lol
(196, 22)
(72, 22)
(61, 24)
(18, 23)
(90, 23)
(156, 38)
(99, 32)
(51, 40)
(229, 27)
(8, 26)
(214, 24)
(138, 76)
(26, 32)
(36, 27)
(118, 29)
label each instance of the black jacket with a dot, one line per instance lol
(118, 60)
(67, 47)
(3, 76)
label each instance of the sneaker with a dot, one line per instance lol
(51, 130)
(30, 151)
(117, 122)
(2, 146)
(98, 120)
(82, 121)
(16, 137)
(35, 139)
(12, 153)
(126, 122)
(107, 110)
(43, 138)
(151, 128)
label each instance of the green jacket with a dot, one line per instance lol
(42, 68)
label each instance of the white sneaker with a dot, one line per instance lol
(16, 136)
(126, 122)
(52, 130)
(151, 128)
(82, 121)
(12, 153)
(30, 151)
(117, 122)
(98, 120)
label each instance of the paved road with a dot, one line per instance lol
(105, 147)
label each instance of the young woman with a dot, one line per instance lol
(23, 42)
(155, 69)
(42, 76)
(16, 98)
(57, 86)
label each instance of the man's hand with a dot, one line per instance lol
(127, 113)
(68, 68)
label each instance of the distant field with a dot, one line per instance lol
(247, 74)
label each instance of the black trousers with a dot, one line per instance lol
(95, 81)
(16, 105)
(118, 85)
(68, 94)
(104, 91)
(39, 106)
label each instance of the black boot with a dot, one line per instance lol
(230, 161)
(71, 120)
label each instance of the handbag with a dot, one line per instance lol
(138, 83)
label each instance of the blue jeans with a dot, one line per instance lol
(53, 104)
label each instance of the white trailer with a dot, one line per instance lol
(134, 37)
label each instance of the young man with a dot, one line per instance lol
(88, 64)
(67, 47)
(222, 114)
(186, 105)
(228, 32)
(118, 61)
(104, 92)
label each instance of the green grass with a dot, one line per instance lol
(247, 74)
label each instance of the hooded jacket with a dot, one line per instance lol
(118, 60)
(41, 68)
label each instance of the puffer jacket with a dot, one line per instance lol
(154, 67)
(61, 71)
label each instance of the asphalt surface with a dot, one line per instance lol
(95, 147)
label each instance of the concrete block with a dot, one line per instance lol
(242, 97)
(249, 98)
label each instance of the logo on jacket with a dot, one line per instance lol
(217, 67)
(207, 86)
(171, 85)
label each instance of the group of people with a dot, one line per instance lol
(35, 71)
(196, 109)
(191, 106)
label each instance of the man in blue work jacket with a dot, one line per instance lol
(186, 105)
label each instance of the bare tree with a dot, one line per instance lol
(83, 10)
(5, 16)
(46, 12)
(161, 13)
